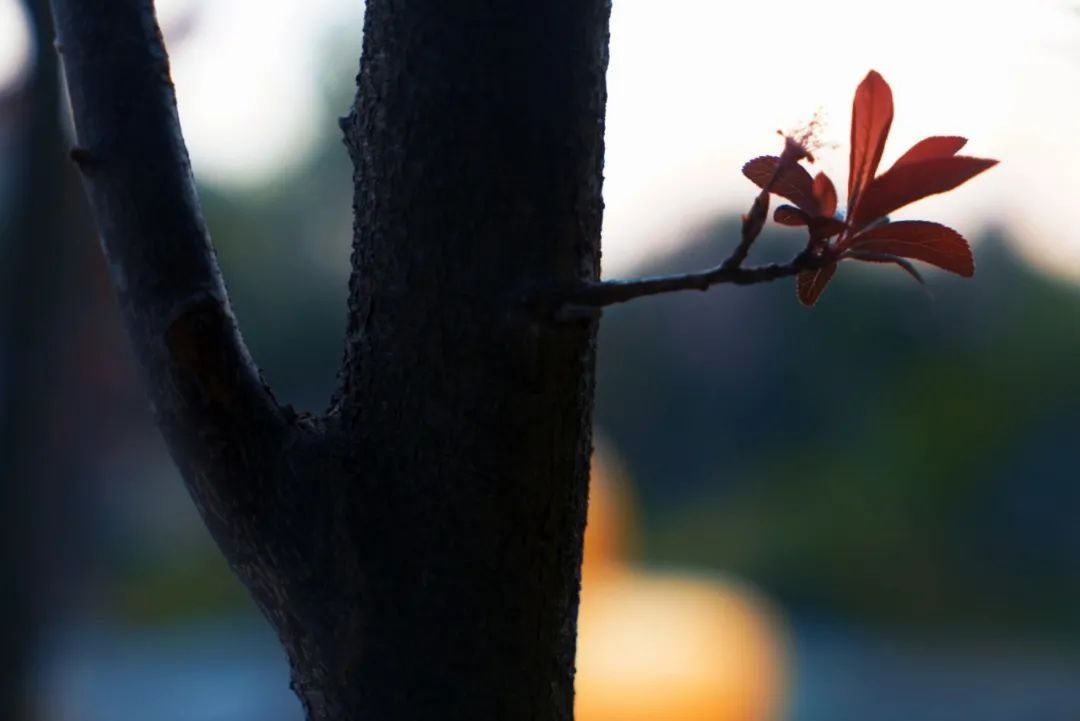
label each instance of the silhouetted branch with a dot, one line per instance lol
(752, 223)
(596, 294)
(601, 293)
(207, 392)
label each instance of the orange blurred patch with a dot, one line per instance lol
(661, 646)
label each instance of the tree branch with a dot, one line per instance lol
(208, 395)
(601, 293)
(582, 300)
(752, 223)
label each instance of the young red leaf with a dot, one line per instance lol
(822, 227)
(887, 258)
(920, 240)
(790, 215)
(811, 283)
(929, 167)
(793, 182)
(825, 192)
(907, 182)
(939, 146)
(871, 117)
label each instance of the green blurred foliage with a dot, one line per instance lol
(160, 589)
(873, 455)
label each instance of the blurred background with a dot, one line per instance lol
(863, 511)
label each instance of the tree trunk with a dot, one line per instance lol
(417, 548)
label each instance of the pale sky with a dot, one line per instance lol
(697, 87)
(14, 40)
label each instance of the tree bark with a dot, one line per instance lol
(418, 547)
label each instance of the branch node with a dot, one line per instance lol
(82, 158)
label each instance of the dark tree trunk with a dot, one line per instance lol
(417, 548)
(477, 139)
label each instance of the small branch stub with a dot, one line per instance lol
(81, 157)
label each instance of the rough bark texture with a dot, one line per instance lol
(418, 548)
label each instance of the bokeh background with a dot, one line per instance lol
(864, 511)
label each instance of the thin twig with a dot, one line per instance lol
(584, 300)
(752, 223)
(601, 293)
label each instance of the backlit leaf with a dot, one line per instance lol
(822, 227)
(939, 146)
(920, 240)
(908, 182)
(888, 258)
(810, 284)
(790, 215)
(793, 182)
(825, 192)
(871, 117)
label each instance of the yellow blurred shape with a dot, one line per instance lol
(608, 529)
(661, 646)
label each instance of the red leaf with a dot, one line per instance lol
(887, 258)
(921, 240)
(871, 117)
(793, 182)
(790, 215)
(939, 146)
(907, 182)
(811, 283)
(822, 227)
(825, 192)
